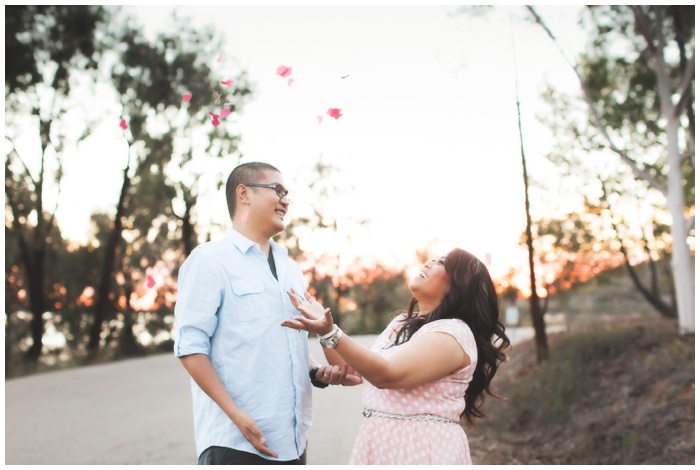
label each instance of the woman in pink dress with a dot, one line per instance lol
(430, 367)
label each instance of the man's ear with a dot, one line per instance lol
(243, 194)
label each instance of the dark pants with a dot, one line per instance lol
(224, 456)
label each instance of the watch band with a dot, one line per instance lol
(314, 381)
(330, 340)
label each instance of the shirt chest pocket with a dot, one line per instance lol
(250, 301)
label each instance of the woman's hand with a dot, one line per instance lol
(334, 375)
(315, 318)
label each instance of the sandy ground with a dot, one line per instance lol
(139, 411)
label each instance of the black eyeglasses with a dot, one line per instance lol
(279, 189)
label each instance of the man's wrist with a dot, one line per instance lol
(314, 381)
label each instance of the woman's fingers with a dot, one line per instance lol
(294, 324)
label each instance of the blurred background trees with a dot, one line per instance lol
(112, 294)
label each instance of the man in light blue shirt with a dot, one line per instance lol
(251, 380)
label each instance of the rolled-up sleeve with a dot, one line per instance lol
(200, 290)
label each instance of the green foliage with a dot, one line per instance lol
(618, 213)
(37, 35)
(54, 49)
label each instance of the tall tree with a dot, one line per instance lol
(165, 131)
(536, 312)
(639, 95)
(49, 50)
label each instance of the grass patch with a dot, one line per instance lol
(611, 393)
(545, 397)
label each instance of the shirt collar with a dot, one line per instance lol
(244, 244)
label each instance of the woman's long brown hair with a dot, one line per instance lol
(472, 298)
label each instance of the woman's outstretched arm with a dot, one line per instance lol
(426, 359)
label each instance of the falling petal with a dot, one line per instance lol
(221, 55)
(150, 282)
(284, 71)
(227, 82)
(123, 124)
(335, 113)
(186, 97)
(224, 112)
(320, 119)
(215, 119)
(244, 217)
(290, 81)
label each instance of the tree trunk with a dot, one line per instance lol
(536, 313)
(105, 287)
(36, 304)
(188, 231)
(683, 274)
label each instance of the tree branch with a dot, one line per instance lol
(596, 117)
(686, 86)
(19, 157)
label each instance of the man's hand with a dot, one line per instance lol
(249, 428)
(202, 372)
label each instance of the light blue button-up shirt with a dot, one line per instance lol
(230, 307)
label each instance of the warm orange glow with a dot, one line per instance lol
(87, 298)
(348, 305)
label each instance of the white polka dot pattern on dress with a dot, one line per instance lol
(390, 441)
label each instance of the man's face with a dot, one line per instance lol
(267, 209)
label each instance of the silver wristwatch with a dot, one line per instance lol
(330, 340)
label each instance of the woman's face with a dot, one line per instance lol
(431, 284)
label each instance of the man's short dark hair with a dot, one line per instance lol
(245, 173)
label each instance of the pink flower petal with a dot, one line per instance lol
(221, 55)
(225, 112)
(334, 112)
(150, 282)
(290, 81)
(123, 124)
(186, 97)
(320, 119)
(227, 82)
(215, 119)
(284, 71)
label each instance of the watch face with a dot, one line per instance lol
(332, 342)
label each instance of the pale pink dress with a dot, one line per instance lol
(391, 441)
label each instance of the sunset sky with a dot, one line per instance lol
(428, 138)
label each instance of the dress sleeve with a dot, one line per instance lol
(457, 329)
